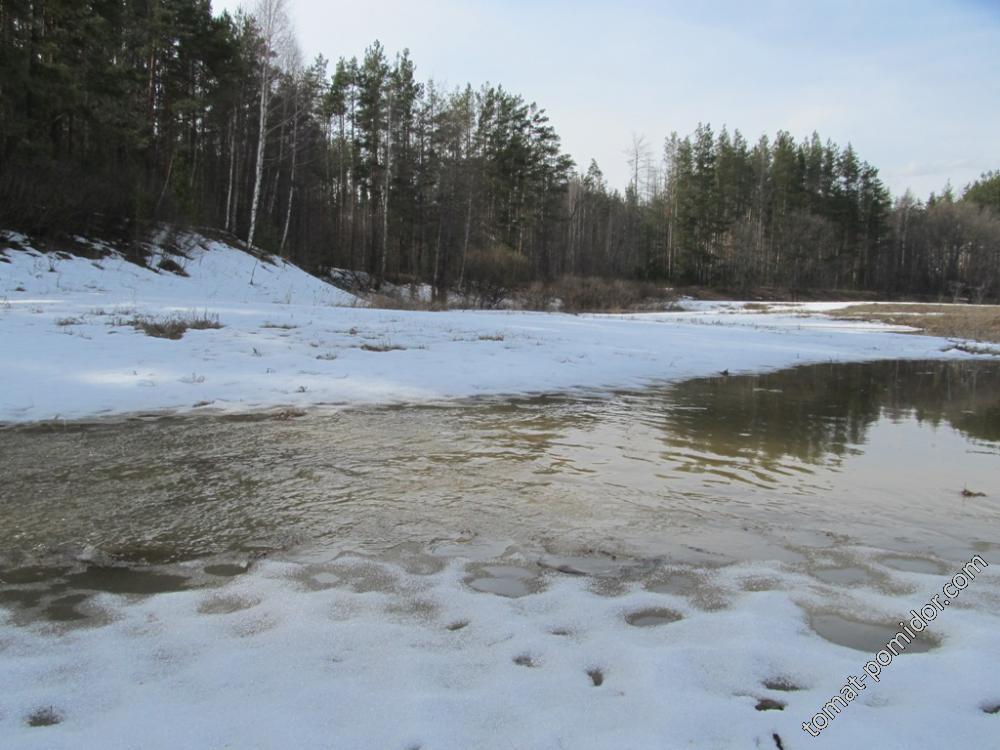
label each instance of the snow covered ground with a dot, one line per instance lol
(358, 654)
(289, 339)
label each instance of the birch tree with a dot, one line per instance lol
(272, 22)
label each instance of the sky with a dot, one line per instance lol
(913, 85)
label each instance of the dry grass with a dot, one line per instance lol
(175, 326)
(382, 345)
(172, 266)
(972, 322)
(44, 717)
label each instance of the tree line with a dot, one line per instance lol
(119, 115)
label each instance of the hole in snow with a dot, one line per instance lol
(503, 580)
(647, 618)
(869, 637)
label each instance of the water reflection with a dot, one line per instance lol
(712, 469)
(819, 414)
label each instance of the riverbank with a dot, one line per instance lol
(971, 323)
(83, 338)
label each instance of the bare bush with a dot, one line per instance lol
(491, 274)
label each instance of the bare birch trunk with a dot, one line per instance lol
(291, 176)
(385, 196)
(272, 203)
(232, 172)
(259, 170)
(273, 21)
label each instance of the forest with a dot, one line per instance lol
(121, 116)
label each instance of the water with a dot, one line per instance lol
(790, 466)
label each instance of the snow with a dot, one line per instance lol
(303, 656)
(292, 340)
(358, 653)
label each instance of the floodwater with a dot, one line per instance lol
(890, 456)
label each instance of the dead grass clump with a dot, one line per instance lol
(44, 717)
(975, 322)
(174, 327)
(381, 346)
(172, 266)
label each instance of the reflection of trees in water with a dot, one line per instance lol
(965, 395)
(818, 412)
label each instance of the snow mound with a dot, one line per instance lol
(210, 272)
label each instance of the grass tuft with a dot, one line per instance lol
(175, 326)
(44, 717)
(383, 345)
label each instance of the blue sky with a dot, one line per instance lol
(915, 86)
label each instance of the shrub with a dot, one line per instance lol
(491, 273)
